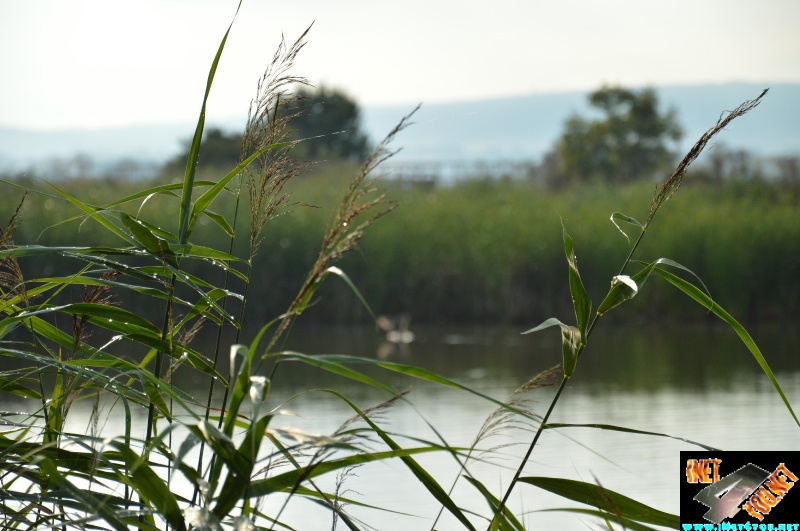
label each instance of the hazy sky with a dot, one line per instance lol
(90, 63)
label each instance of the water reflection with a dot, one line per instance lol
(696, 383)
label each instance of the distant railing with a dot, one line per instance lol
(446, 171)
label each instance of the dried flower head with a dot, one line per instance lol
(671, 185)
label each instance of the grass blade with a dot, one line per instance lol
(194, 149)
(580, 299)
(604, 499)
(698, 295)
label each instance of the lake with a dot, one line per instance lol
(698, 383)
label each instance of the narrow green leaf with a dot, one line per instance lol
(604, 499)
(336, 363)
(154, 395)
(287, 480)
(95, 213)
(623, 288)
(341, 274)
(571, 343)
(626, 523)
(205, 200)
(506, 519)
(580, 299)
(237, 484)
(194, 149)
(100, 311)
(90, 502)
(14, 387)
(150, 486)
(552, 425)
(698, 295)
(221, 221)
(619, 216)
(163, 189)
(155, 245)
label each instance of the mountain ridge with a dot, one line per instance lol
(519, 127)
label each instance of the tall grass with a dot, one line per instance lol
(210, 461)
(501, 266)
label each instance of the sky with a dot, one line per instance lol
(101, 63)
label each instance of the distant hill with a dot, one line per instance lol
(522, 127)
(525, 127)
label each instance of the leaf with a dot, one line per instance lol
(90, 502)
(95, 213)
(221, 221)
(341, 274)
(626, 219)
(604, 499)
(237, 484)
(504, 521)
(99, 311)
(626, 523)
(287, 480)
(627, 430)
(155, 245)
(154, 395)
(335, 363)
(580, 299)
(194, 149)
(13, 387)
(623, 288)
(698, 295)
(571, 343)
(150, 487)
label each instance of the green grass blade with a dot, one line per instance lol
(555, 425)
(94, 213)
(236, 484)
(150, 486)
(163, 189)
(580, 299)
(503, 520)
(194, 149)
(619, 216)
(99, 311)
(707, 302)
(421, 474)
(570, 343)
(205, 200)
(90, 502)
(337, 364)
(607, 500)
(221, 221)
(625, 522)
(287, 480)
(155, 245)
(15, 388)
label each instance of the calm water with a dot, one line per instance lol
(700, 384)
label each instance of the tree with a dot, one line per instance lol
(218, 149)
(329, 123)
(628, 142)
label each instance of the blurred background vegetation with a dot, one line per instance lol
(485, 249)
